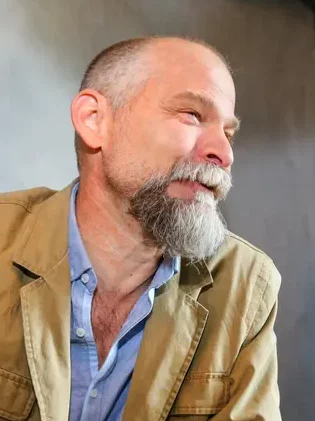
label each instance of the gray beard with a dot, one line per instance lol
(193, 229)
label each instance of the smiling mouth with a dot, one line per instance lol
(188, 189)
(210, 189)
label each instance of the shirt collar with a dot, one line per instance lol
(167, 268)
(80, 262)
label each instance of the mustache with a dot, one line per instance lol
(214, 178)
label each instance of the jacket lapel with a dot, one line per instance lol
(170, 340)
(46, 303)
(46, 323)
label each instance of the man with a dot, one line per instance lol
(124, 296)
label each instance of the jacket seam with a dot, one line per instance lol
(40, 398)
(18, 203)
(21, 380)
(263, 294)
(27, 235)
(246, 243)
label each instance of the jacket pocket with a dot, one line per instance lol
(16, 396)
(201, 396)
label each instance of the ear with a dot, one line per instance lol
(91, 116)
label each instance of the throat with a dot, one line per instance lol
(109, 313)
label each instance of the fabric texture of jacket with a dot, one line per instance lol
(208, 350)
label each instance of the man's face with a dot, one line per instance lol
(170, 154)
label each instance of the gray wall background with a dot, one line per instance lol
(45, 46)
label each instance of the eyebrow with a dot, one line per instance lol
(231, 123)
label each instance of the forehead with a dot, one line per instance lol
(194, 68)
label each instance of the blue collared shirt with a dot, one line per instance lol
(100, 394)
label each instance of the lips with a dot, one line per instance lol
(209, 188)
(197, 185)
(187, 189)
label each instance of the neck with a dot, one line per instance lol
(114, 241)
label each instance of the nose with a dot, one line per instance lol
(214, 147)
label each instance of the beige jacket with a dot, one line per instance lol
(208, 350)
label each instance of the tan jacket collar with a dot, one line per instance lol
(45, 240)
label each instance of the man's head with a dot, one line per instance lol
(154, 121)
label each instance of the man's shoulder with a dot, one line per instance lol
(236, 241)
(17, 210)
(246, 282)
(24, 199)
(236, 248)
(245, 266)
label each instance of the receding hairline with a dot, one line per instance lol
(193, 41)
(136, 48)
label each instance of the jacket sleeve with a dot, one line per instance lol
(254, 394)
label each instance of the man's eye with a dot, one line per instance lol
(192, 116)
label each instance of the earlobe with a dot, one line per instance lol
(87, 114)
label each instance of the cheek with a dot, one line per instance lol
(131, 162)
(173, 140)
(142, 151)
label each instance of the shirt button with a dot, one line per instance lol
(85, 278)
(80, 332)
(93, 393)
